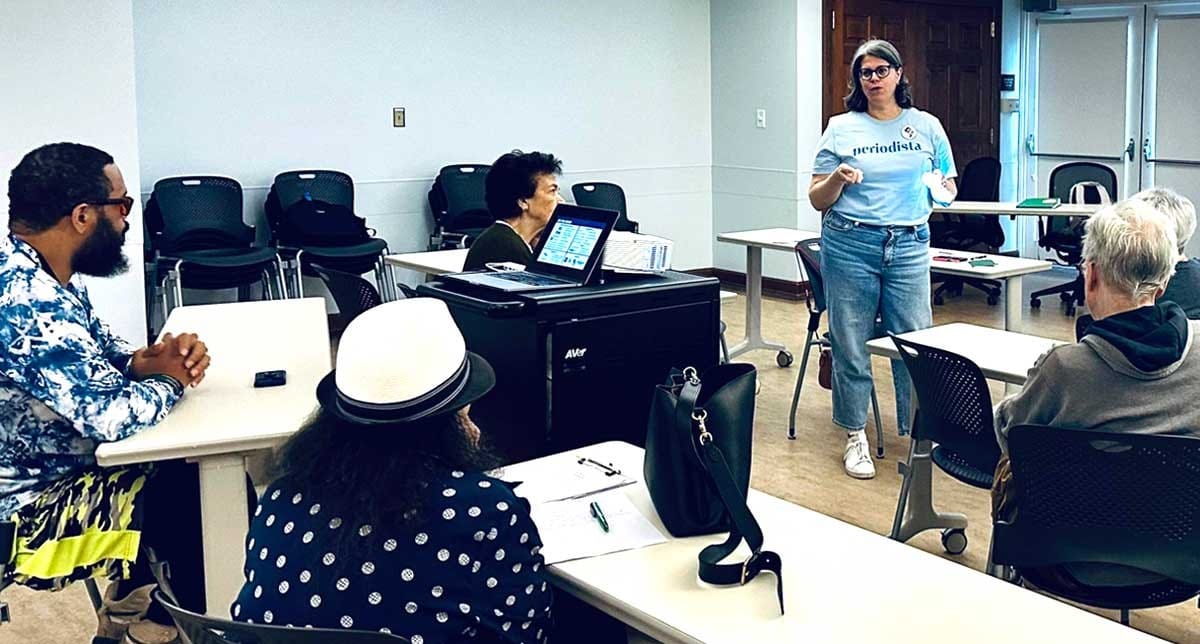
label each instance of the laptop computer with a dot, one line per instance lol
(568, 254)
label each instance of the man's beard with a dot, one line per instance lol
(101, 254)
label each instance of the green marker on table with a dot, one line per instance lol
(598, 515)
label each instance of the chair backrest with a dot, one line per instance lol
(808, 253)
(1062, 182)
(200, 212)
(980, 181)
(463, 188)
(330, 186)
(953, 401)
(606, 196)
(201, 629)
(1103, 497)
(352, 293)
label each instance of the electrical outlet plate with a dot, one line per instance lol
(397, 117)
(760, 118)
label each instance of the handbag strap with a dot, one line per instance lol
(745, 526)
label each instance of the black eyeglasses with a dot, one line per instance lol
(880, 72)
(125, 202)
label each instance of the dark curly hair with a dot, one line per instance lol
(856, 100)
(380, 473)
(50, 181)
(514, 176)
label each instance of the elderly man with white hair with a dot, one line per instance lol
(1134, 370)
(1184, 288)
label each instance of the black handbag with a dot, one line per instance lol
(697, 468)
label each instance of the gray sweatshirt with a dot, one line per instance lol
(1092, 385)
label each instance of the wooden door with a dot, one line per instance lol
(951, 56)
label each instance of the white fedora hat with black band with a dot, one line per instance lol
(401, 362)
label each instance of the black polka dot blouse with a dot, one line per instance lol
(471, 569)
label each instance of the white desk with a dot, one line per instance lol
(1001, 355)
(219, 422)
(1010, 270)
(656, 591)
(1010, 208)
(431, 262)
(783, 239)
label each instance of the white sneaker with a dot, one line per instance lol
(857, 459)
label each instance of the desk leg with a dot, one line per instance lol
(754, 339)
(223, 517)
(1013, 299)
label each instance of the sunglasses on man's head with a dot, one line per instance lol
(125, 202)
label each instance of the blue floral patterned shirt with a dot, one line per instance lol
(63, 381)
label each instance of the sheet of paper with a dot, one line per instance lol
(563, 477)
(569, 531)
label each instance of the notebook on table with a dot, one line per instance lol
(568, 254)
(1043, 203)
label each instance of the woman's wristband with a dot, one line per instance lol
(176, 386)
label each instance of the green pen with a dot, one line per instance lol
(598, 515)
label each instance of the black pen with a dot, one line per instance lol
(609, 470)
(598, 515)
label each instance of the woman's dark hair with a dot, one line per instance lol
(50, 181)
(514, 176)
(380, 473)
(856, 100)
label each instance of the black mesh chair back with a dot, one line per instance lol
(464, 189)
(201, 213)
(980, 181)
(1100, 497)
(809, 254)
(201, 629)
(1066, 233)
(954, 409)
(351, 293)
(606, 196)
(330, 186)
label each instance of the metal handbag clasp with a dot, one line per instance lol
(700, 415)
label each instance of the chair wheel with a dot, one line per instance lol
(954, 540)
(784, 358)
(939, 300)
(1035, 303)
(1071, 310)
(993, 300)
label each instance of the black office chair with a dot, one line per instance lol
(1064, 235)
(199, 240)
(808, 254)
(953, 429)
(980, 181)
(350, 292)
(607, 196)
(8, 535)
(332, 187)
(1127, 503)
(458, 205)
(201, 629)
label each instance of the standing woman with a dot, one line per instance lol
(870, 178)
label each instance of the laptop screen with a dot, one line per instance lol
(573, 242)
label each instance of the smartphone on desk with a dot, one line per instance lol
(276, 378)
(948, 258)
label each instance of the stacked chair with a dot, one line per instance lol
(980, 181)
(607, 196)
(331, 193)
(458, 206)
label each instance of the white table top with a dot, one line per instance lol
(773, 238)
(656, 589)
(431, 262)
(1005, 266)
(226, 414)
(1001, 355)
(1010, 208)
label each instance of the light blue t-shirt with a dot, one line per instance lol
(892, 156)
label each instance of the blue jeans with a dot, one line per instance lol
(871, 271)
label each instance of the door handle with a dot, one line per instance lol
(1146, 149)
(1029, 143)
(1129, 150)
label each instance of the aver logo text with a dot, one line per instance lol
(575, 353)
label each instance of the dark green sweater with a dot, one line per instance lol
(498, 243)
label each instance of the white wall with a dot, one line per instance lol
(765, 54)
(619, 90)
(66, 69)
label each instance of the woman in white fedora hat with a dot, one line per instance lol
(380, 516)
